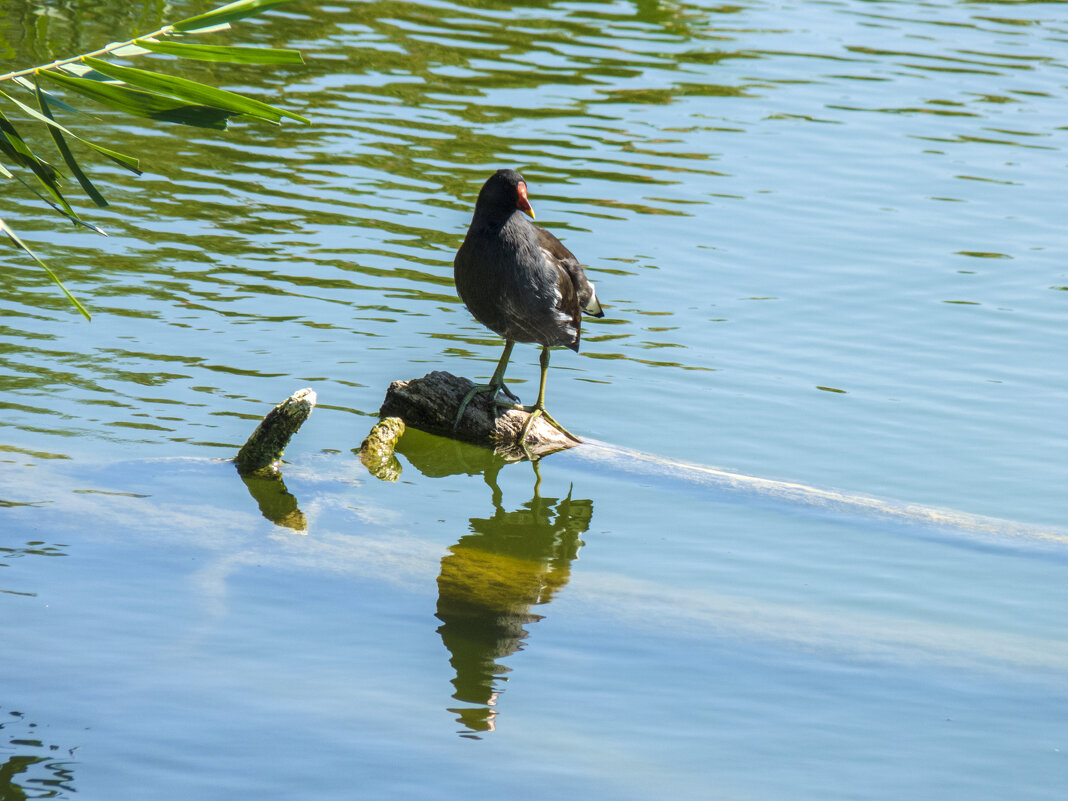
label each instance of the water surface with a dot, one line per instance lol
(829, 242)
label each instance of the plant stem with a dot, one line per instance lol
(166, 30)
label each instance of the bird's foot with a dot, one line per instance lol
(507, 392)
(496, 389)
(535, 413)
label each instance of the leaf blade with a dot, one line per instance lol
(185, 89)
(226, 53)
(72, 163)
(225, 15)
(55, 278)
(142, 104)
(45, 116)
(12, 144)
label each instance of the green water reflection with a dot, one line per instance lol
(8, 553)
(31, 767)
(491, 578)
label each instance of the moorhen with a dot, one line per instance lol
(520, 281)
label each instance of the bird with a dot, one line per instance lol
(519, 281)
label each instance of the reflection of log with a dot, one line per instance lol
(276, 503)
(430, 403)
(268, 442)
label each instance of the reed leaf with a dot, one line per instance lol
(13, 146)
(185, 89)
(45, 100)
(224, 15)
(140, 92)
(143, 104)
(232, 55)
(55, 279)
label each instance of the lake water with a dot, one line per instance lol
(830, 242)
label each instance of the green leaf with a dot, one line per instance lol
(71, 162)
(79, 70)
(19, 243)
(159, 97)
(45, 115)
(185, 89)
(128, 50)
(55, 101)
(169, 31)
(17, 150)
(142, 104)
(96, 229)
(225, 15)
(233, 55)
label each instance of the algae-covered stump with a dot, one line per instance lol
(430, 404)
(265, 447)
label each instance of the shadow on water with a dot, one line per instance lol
(508, 563)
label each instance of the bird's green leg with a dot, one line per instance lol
(495, 385)
(538, 409)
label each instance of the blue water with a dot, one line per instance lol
(829, 243)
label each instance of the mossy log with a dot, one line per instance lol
(430, 404)
(265, 447)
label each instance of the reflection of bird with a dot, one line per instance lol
(489, 583)
(520, 281)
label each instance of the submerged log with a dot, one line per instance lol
(265, 447)
(430, 404)
(376, 451)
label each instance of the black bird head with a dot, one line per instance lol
(501, 195)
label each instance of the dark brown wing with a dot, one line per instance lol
(563, 259)
(568, 302)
